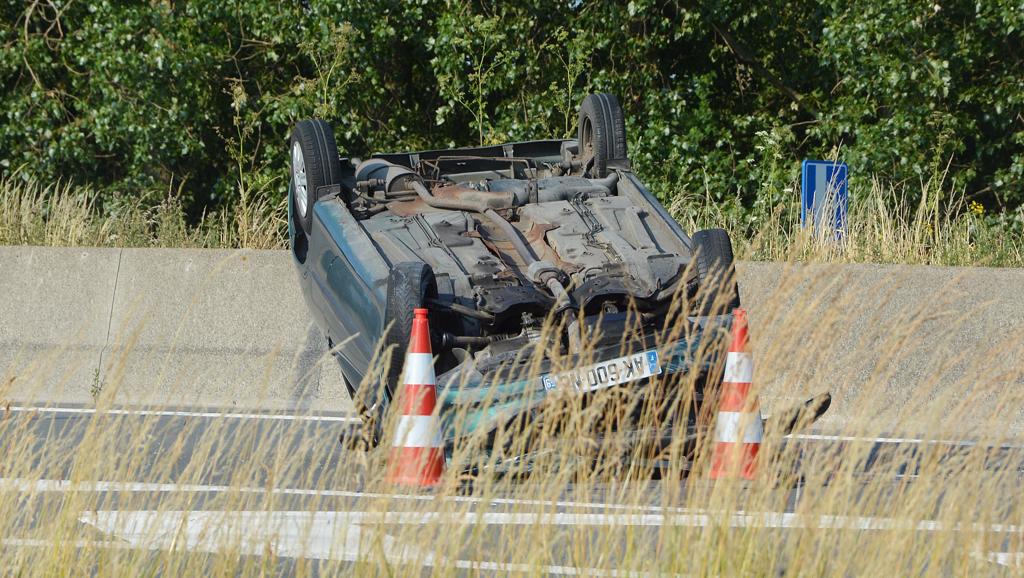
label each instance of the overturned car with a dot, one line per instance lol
(546, 266)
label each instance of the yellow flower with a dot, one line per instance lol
(976, 208)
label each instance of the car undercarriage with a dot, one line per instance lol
(546, 266)
(511, 244)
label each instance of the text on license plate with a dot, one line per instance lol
(605, 373)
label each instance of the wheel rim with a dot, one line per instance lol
(587, 143)
(587, 137)
(299, 179)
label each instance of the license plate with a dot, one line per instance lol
(605, 373)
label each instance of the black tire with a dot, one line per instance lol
(602, 133)
(312, 143)
(409, 286)
(715, 272)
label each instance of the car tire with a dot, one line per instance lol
(716, 272)
(410, 285)
(314, 164)
(601, 133)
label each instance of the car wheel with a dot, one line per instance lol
(409, 286)
(602, 133)
(717, 290)
(315, 163)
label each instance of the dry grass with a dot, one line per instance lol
(850, 519)
(941, 229)
(66, 215)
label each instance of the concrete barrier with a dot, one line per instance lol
(229, 329)
(224, 328)
(898, 346)
(157, 326)
(54, 317)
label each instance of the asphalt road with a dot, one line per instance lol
(168, 444)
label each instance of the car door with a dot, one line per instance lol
(352, 278)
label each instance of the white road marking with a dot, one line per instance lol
(171, 413)
(37, 543)
(316, 535)
(838, 438)
(1009, 559)
(886, 440)
(354, 419)
(662, 513)
(36, 486)
(152, 521)
(26, 485)
(339, 535)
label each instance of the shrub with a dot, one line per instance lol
(199, 97)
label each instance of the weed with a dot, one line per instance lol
(96, 388)
(922, 511)
(66, 215)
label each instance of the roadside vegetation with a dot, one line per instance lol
(940, 228)
(858, 513)
(170, 113)
(163, 125)
(65, 215)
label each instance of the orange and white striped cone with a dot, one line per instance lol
(417, 450)
(738, 430)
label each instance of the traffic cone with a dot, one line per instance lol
(738, 430)
(417, 450)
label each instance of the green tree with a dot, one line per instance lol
(199, 97)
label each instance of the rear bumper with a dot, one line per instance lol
(475, 401)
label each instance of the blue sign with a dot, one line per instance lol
(824, 196)
(652, 363)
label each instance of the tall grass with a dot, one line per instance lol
(67, 215)
(855, 512)
(941, 229)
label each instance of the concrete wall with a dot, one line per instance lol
(157, 326)
(230, 329)
(54, 317)
(900, 347)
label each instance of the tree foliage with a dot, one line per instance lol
(198, 97)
